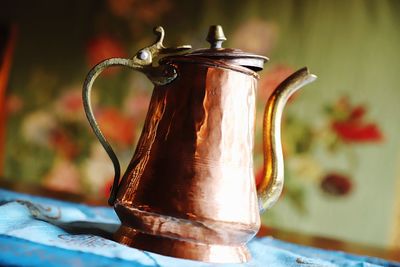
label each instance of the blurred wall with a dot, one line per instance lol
(340, 134)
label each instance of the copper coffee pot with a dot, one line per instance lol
(189, 190)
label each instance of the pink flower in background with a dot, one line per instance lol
(69, 105)
(63, 176)
(350, 131)
(71, 101)
(102, 47)
(349, 124)
(116, 126)
(271, 79)
(336, 184)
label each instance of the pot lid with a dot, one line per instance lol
(234, 56)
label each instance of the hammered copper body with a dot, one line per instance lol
(191, 179)
(189, 190)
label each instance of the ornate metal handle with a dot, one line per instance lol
(143, 62)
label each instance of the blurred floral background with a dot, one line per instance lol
(340, 134)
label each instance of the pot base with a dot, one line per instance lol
(182, 248)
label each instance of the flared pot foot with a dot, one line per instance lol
(179, 248)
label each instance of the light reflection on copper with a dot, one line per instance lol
(189, 190)
(191, 178)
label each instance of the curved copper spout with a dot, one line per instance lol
(272, 184)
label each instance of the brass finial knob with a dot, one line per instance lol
(216, 36)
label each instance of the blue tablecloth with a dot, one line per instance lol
(36, 231)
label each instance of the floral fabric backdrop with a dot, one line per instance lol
(340, 134)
